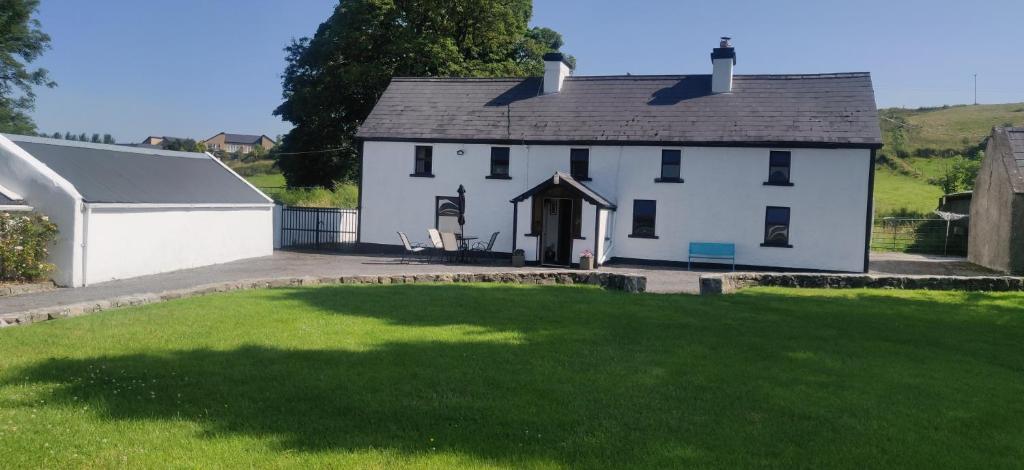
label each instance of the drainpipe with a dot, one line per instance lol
(86, 210)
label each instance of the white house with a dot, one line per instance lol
(127, 211)
(632, 168)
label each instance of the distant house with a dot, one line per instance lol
(242, 143)
(158, 141)
(630, 168)
(997, 205)
(131, 211)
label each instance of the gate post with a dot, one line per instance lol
(317, 232)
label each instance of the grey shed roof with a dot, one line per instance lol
(1008, 143)
(118, 174)
(827, 109)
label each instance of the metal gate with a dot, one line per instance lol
(320, 229)
(931, 236)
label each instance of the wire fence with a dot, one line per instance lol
(928, 236)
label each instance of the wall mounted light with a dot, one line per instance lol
(460, 152)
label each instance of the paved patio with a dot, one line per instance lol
(292, 264)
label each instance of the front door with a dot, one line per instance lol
(556, 239)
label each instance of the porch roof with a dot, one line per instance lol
(570, 183)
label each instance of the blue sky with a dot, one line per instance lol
(193, 68)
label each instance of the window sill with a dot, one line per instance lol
(769, 183)
(579, 238)
(776, 245)
(498, 177)
(580, 179)
(668, 180)
(421, 175)
(633, 235)
(531, 234)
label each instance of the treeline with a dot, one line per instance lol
(83, 137)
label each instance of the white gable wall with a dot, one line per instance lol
(723, 199)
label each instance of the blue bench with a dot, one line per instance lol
(712, 251)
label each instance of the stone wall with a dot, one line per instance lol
(731, 282)
(621, 282)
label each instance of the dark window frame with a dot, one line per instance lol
(428, 162)
(654, 219)
(788, 219)
(495, 158)
(573, 153)
(783, 156)
(678, 156)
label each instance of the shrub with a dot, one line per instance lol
(24, 243)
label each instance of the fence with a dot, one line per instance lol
(320, 229)
(930, 236)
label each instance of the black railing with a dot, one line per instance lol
(317, 228)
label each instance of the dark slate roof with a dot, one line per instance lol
(831, 109)
(1009, 145)
(118, 174)
(241, 138)
(565, 180)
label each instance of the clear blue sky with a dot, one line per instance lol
(192, 68)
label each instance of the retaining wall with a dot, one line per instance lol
(731, 282)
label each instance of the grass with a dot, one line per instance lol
(522, 377)
(905, 195)
(273, 180)
(956, 127)
(344, 195)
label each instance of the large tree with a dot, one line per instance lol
(21, 43)
(333, 80)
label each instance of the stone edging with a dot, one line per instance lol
(7, 290)
(731, 282)
(621, 282)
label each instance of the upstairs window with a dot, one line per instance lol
(579, 164)
(776, 227)
(424, 161)
(499, 162)
(644, 214)
(671, 167)
(778, 168)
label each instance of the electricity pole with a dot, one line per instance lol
(975, 89)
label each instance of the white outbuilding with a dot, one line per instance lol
(125, 211)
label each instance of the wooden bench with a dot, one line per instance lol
(712, 251)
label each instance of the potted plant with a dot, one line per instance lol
(518, 258)
(587, 260)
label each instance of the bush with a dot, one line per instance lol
(24, 242)
(345, 196)
(258, 167)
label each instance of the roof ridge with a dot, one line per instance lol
(111, 147)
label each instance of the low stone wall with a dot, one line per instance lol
(7, 290)
(731, 282)
(621, 282)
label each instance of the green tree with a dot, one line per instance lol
(69, 136)
(95, 139)
(21, 43)
(961, 175)
(333, 80)
(57, 135)
(83, 138)
(108, 139)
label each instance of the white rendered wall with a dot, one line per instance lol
(723, 199)
(52, 196)
(124, 243)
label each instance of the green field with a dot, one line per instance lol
(897, 194)
(273, 180)
(954, 127)
(512, 376)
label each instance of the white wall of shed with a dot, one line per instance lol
(50, 195)
(131, 242)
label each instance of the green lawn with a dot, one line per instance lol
(273, 180)
(900, 194)
(488, 376)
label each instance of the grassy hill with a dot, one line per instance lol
(922, 144)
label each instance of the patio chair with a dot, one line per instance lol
(487, 248)
(450, 245)
(435, 241)
(411, 250)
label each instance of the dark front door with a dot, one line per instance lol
(556, 237)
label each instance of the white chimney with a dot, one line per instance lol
(556, 68)
(723, 58)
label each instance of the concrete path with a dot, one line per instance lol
(285, 264)
(928, 265)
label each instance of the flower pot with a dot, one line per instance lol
(518, 261)
(586, 263)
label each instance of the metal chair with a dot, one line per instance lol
(435, 241)
(411, 250)
(450, 246)
(482, 248)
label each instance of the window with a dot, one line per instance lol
(644, 211)
(424, 161)
(778, 169)
(579, 164)
(671, 161)
(776, 227)
(499, 163)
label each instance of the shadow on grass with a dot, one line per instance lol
(601, 379)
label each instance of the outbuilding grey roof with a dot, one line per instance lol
(824, 109)
(118, 174)
(1009, 144)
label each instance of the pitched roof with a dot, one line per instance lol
(567, 181)
(118, 174)
(242, 138)
(9, 198)
(831, 109)
(1008, 144)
